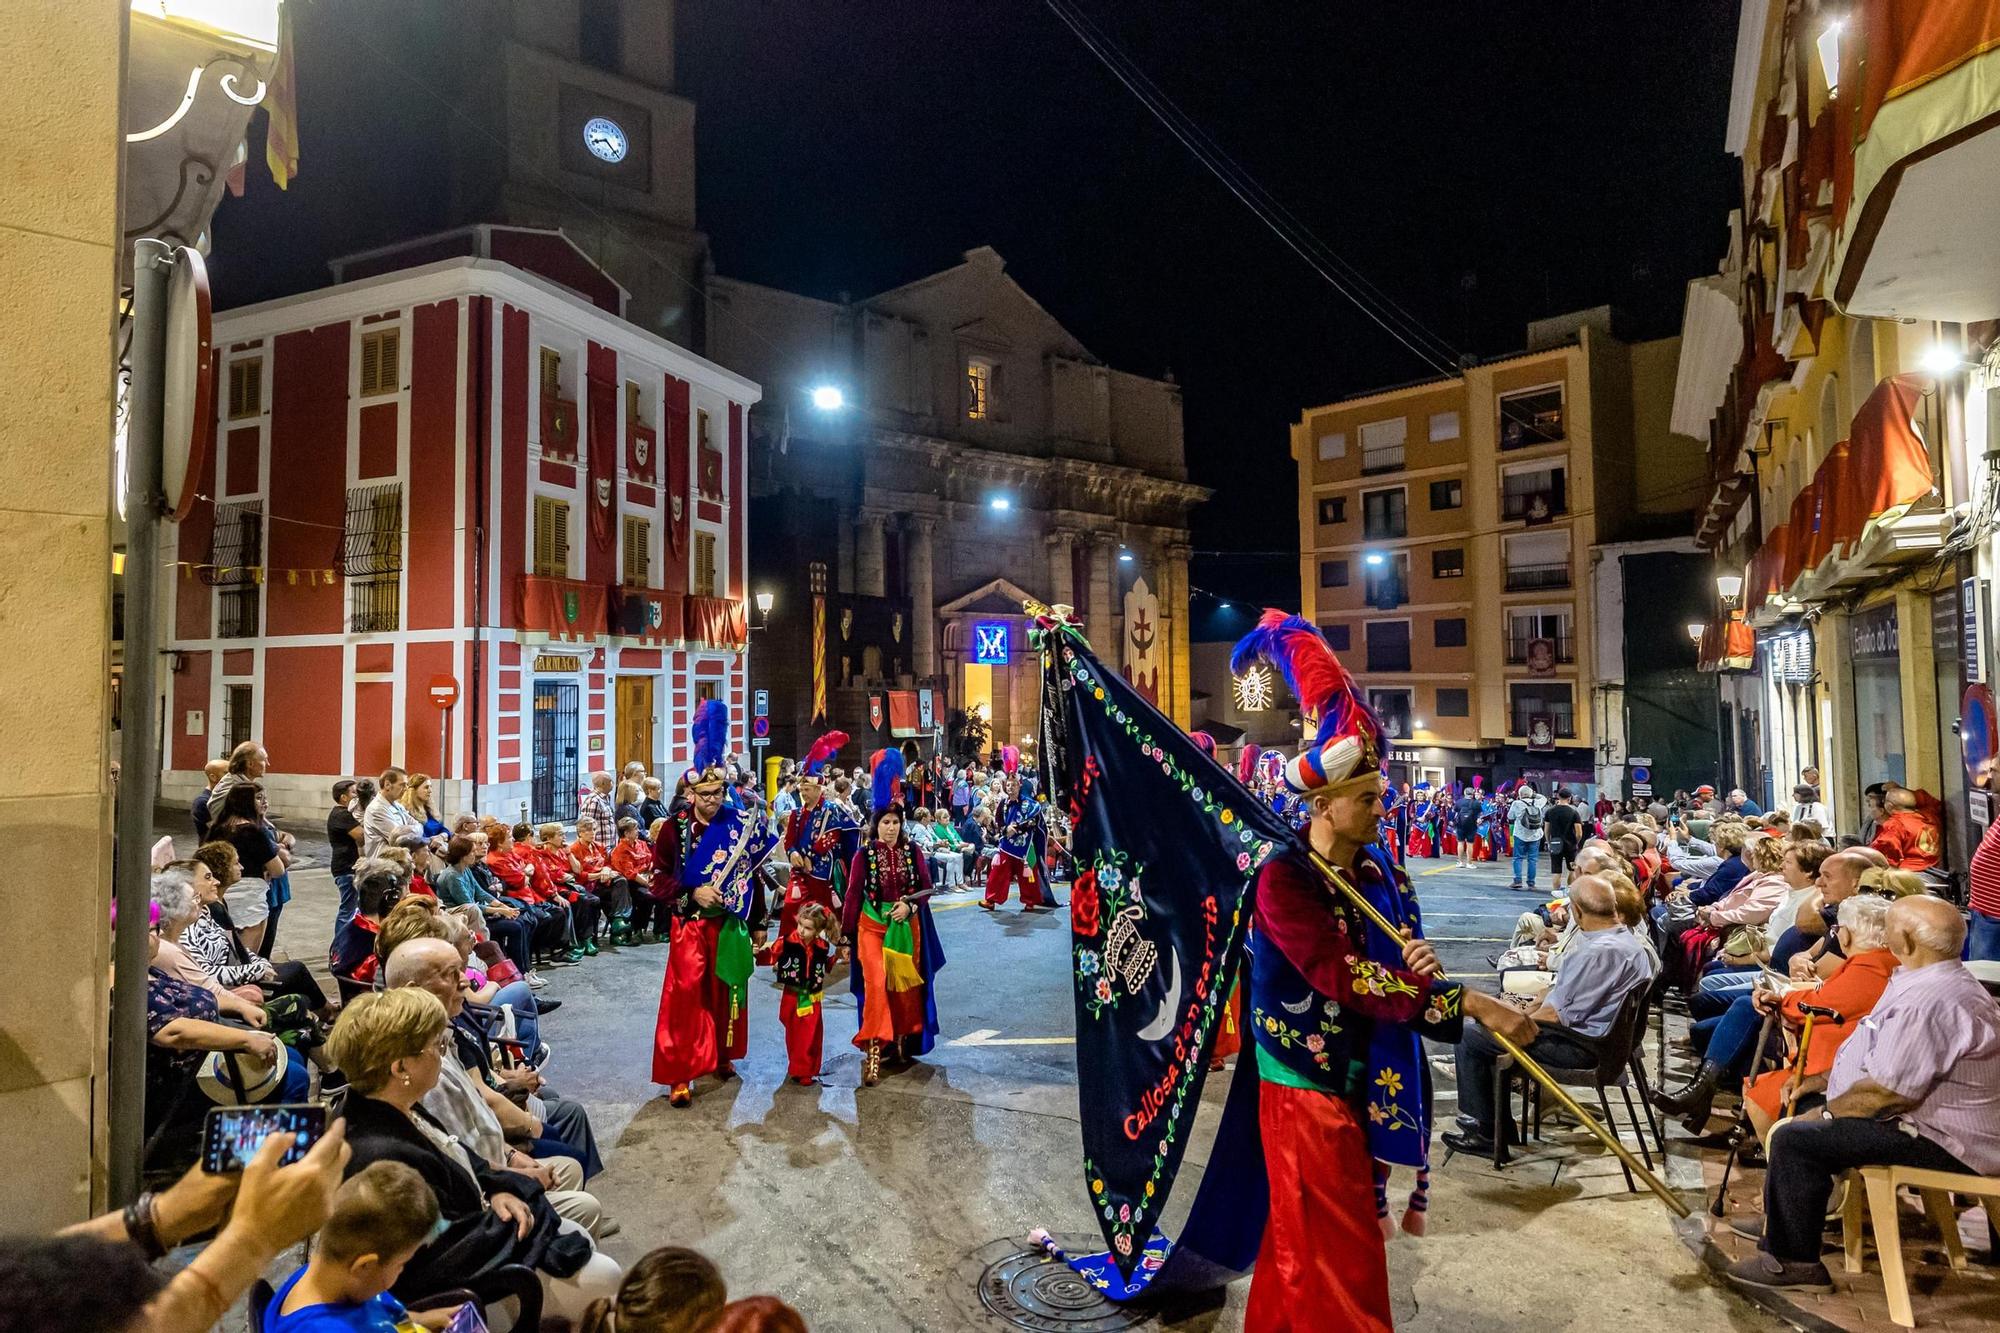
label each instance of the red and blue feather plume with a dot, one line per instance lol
(823, 750)
(1323, 688)
(708, 733)
(885, 769)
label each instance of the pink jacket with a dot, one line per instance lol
(1752, 901)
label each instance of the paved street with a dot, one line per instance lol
(902, 1191)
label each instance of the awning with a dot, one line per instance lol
(718, 622)
(1804, 516)
(1835, 490)
(1919, 103)
(904, 713)
(1766, 569)
(1711, 344)
(1887, 468)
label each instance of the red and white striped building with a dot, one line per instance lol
(460, 462)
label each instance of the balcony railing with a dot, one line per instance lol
(1388, 458)
(1563, 719)
(374, 606)
(1529, 578)
(1563, 647)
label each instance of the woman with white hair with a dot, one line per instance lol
(179, 903)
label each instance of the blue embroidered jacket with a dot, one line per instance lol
(827, 835)
(1021, 814)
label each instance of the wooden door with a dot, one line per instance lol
(635, 722)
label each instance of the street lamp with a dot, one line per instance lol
(1696, 629)
(999, 504)
(1728, 587)
(765, 600)
(1374, 559)
(1940, 359)
(828, 397)
(1124, 556)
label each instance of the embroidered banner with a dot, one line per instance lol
(1166, 848)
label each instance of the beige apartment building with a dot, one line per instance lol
(1447, 533)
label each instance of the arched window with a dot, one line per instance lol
(1860, 366)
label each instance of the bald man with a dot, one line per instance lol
(1839, 879)
(1911, 833)
(1917, 1084)
(1602, 965)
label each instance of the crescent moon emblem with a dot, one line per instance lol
(1163, 1021)
(1298, 1008)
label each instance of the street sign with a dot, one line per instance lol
(761, 704)
(1638, 759)
(189, 392)
(760, 727)
(444, 691)
(1641, 774)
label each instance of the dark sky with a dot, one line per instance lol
(1485, 164)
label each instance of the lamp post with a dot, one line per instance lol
(764, 599)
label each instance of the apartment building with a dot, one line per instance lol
(1447, 535)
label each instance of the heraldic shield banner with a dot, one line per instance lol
(1166, 846)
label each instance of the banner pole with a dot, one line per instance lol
(1527, 1063)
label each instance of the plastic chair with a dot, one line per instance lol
(1616, 1053)
(1877, 1197)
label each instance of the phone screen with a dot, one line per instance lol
(232, 1134)
(467, 1320)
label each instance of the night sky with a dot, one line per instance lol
(1484, 164)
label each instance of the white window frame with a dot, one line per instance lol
(1409, 642)
(1385, 490)
(1382, 444)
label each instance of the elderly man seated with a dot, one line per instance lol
(1601, 967)
(481, 1119)
(1916, 1084)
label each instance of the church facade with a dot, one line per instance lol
(981, 456)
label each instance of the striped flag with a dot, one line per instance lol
(281, 132)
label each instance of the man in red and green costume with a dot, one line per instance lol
(820, 835)
(1318, 1002)
(706, 859)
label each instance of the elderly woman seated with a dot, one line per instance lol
(212, 941)
(183, 1027)
(391, 1046)
(177, 900)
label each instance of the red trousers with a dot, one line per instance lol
(1323, 1264)
(696, 1032)
(803, 1035)
(1006, 870)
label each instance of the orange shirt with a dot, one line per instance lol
(1910, 839)
(589, 856)
(632, 858)
(1851, 992)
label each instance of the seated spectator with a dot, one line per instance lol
(352, 957)
(670, 1290)
(1911, 833)
(756, 1314)
(176, 906)
(379, 1218)
(558, 875)
(950, 849)
(590, 864)
(1786, 933)
(1840, 878)
(1749, 904)
(479, 1117)
(549, 934)
(458, 885)
(1807, 807)
(625, 802)
(1918, 1084)
(632, 860)
(391, 1047)
(516, 997)
(211, 942)
(1602, 968)
(652, 804)
(1632, 914)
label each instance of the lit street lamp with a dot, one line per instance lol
(1696, 629)
(828, 397)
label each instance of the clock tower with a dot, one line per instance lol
(584, 132)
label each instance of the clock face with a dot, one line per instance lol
(605, 139)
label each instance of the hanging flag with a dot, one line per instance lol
(281, 129)
(1166, 845)
(819, 658)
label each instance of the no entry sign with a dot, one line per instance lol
(444, 691)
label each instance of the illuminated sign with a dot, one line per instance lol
(989, 643)
(1254, 690)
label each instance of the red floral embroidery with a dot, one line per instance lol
(1083, 903)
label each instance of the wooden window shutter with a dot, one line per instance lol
(381, 361)
(561, 552)
(246, 388)
(551, 537)
(551, 373)
(704, 564)
(632, 404)
(638, 550)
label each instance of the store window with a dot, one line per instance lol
(1875, 649)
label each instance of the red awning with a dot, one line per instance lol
(1805, 509)
(1887, 467)
(1766, 568)
(562, 608)
(1827, 484)
(717, 621)
(1727, 645)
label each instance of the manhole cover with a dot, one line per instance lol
(1030, 1290)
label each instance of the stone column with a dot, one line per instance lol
(59, 253)
(1177, 674)
(917, 532)
(1058, 543)
(1101, 614)
(869, 554)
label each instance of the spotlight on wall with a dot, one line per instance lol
(1374, 559)
(999, 504)
(1940, 359)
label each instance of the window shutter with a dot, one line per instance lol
(371, 352)
(560, 549)
(638, 550)
(551, 373)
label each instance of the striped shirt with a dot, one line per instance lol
(1934, 1038)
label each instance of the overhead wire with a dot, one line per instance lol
(1405, 328)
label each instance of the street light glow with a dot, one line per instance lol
(828, 397)
(1940, 359)
(1696, 629)
(764, 601)
(1374, 559)
(999, 504)
(1124, 556)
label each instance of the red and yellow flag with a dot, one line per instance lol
(281, 133)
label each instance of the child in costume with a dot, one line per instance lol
(804, 955)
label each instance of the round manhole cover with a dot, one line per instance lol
(1030, 1290)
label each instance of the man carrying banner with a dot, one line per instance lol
(819, 834)
(1316, 1001)
(706, 859)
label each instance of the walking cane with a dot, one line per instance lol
(1811, 1011)
(1742, 1118)
(1526, 1063)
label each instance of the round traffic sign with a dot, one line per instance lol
(444, 691)
(1640, 773)
(760, 727)
(187, 409)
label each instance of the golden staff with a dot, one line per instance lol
(1065, 617)
(1527, 1063)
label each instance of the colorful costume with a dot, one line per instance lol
(704, 1020)
(824, 835)
(801, 970)
(1335, 1028)
(1014, 856)
(895, 962)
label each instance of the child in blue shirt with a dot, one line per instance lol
(381, 1216)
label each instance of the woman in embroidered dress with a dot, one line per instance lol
(888, 894)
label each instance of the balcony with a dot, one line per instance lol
(1388, 458)
(1533, 578)
(1533, 506)
(719, 622)
(1562, 717)
(1522, 650)
(652, 615)
(561, 608)
(1529, 419)
(374, 605)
